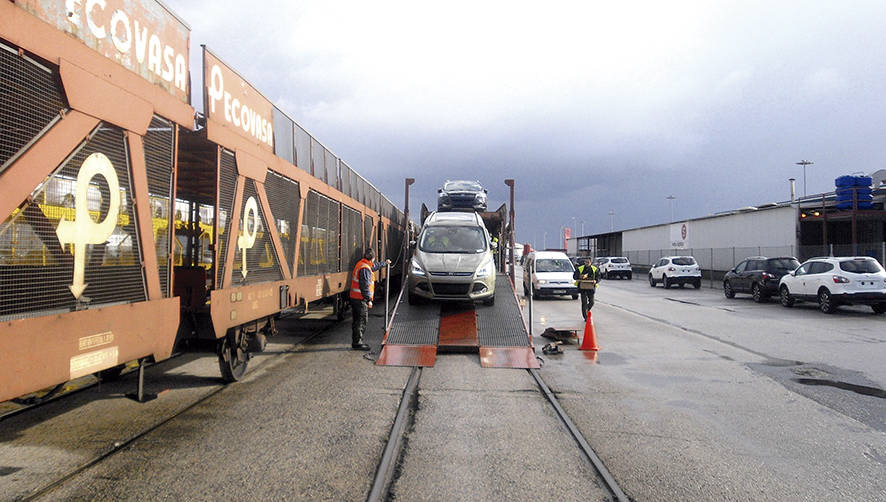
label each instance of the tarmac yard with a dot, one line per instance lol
(691, 397)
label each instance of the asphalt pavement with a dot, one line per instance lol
(691, 397)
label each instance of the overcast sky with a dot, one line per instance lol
(591, 106)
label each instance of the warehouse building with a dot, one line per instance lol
(812, 226)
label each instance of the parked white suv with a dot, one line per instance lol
(615, 266)
(856, 280)
(672, 270)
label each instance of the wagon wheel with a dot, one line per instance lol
(233, 355)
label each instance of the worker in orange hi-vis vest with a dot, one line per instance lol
(362, 293)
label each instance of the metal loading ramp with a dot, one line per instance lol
(497, 332)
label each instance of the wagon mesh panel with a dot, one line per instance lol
(36, 270)
(306, 264)
(331, 169)
(318, 160)
(345, 179)
(261, 258)
(351, 238)
(368, 235)
(227, 183)
(284, 199)
(302, 149)
(159, 145)
(29, 101)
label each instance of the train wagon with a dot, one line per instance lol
(88, 128)
(267, 219)
(130, 222)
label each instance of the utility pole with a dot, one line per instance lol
(611, 221)
(804, 163)
(671, 198)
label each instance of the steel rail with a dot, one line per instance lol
(120, 445)
(384, 474)
(583, 445)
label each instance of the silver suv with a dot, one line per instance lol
(452, 260)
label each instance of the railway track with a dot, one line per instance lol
(392, 455)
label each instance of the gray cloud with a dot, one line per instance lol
(591, 107)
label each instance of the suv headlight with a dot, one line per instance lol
(415, 268)
(485, 270)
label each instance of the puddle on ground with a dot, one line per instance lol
(608, 358)
(858, 389)
(780, 363)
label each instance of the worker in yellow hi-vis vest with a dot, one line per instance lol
(587, 272)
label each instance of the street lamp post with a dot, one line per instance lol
(611, 221)
(804, 163)
(671, 198)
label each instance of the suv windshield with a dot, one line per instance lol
(553, 265)
(782, 265)
(443, 239)
(860, 266)
(462, 186)
(683, 260)
(619, 260)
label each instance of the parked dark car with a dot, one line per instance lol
(461, 195)
(759, 276)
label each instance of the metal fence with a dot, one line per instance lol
(715, 262)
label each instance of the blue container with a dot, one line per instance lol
(845, 181)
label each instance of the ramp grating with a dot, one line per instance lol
(415, 324)
(501, 325)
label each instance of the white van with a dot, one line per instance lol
(551, 273)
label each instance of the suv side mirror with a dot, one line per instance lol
(439, 190)
(494, 245)
(412, 244)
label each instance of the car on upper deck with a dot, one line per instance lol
(457, 195)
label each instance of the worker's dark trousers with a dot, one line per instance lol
(360, 311)
(587, 301)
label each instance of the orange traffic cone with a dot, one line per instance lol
(589, 342)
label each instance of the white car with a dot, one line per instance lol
(671, 270)
(856, 280)
(551, 273)
(615, 266)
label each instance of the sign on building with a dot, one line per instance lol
(680, 235)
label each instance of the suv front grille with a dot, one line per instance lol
(452, 274)
(451, 289)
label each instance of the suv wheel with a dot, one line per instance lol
(696, 284)
(825, 303)
(786, 299)
(879, 308)
(629, 276)
(757, 293)
(728, 292)
(651, 281)
(666, 282)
